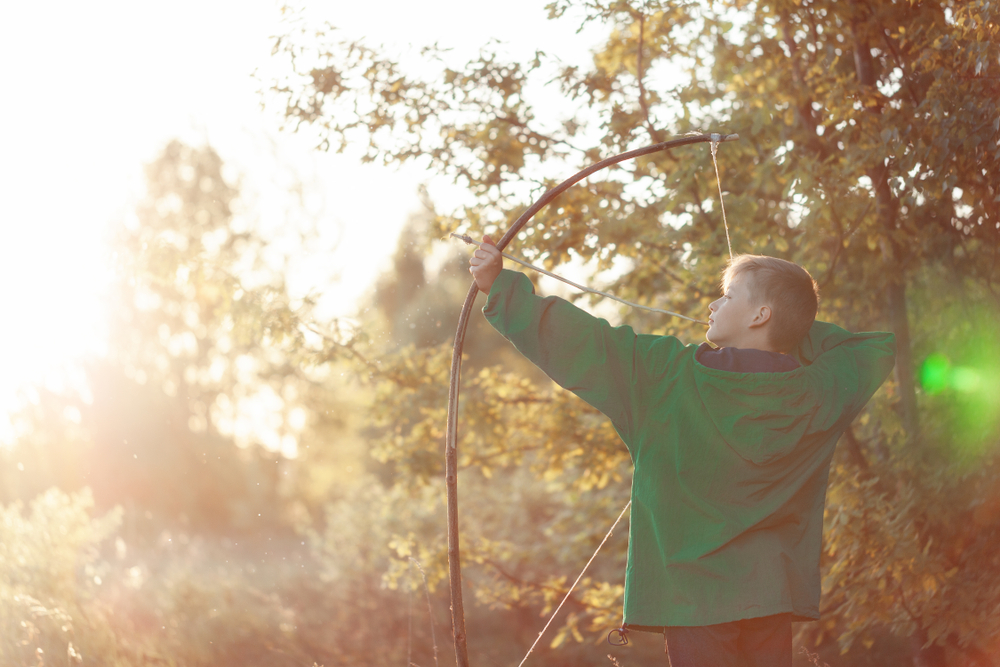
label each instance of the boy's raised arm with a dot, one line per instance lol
(847, 369)
(580, 352)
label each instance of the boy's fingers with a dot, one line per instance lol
(487, 240)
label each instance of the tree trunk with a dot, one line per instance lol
(932, 656)
(886, 207)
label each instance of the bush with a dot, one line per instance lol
(49, 573)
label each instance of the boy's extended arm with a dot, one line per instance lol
(580, 352)
(848, 368)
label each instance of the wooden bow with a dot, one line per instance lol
(451, 439)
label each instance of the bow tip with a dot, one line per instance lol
(719, 138)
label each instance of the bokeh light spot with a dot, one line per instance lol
(965, 379)
(935, 373)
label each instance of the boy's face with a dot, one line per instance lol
(736, 319)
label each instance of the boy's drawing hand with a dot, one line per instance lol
(485, 264)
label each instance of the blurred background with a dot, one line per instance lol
(229, 305)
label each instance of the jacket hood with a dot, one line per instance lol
(763, 416)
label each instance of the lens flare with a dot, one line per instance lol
(963, 390)
(966, 380)
(937, 374)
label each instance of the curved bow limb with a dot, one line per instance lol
(451, 439)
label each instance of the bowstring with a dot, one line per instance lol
(472, 241)
(722, 201)
(570, 591)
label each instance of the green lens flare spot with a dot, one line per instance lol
(935, 374)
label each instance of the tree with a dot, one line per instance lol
(870, 140)
(203, 335)
(204, 339)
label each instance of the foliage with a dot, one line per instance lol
(49, 575)
(869, 141)
(869, 137)
(213, 371)
(204, 339)
(69, 597)
(206, 322)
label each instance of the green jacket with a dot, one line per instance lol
(730, 469)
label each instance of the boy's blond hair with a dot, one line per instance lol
(786, 287)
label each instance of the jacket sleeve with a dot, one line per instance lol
(846, 369)
(580, 352)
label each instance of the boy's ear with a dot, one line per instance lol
(762, 317)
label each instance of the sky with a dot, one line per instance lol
(94, 90)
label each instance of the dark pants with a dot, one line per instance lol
(753, 642)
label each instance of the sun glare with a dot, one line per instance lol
(71, 169)
(52, 276)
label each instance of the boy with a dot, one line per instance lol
(731, 447)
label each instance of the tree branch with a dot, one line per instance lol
(828, 278)
(653, 132)
(538, 587)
